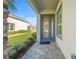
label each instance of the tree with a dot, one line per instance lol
(11, 5)
(7, 4)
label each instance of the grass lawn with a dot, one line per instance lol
(19, 39)
(20, 31)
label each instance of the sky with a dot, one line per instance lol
(24, 10)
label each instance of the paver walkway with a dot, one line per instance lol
(44, 51)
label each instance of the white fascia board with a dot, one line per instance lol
(59, 4)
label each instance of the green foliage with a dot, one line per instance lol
(12, 5)
(31, 38)
(16, 43)
(34, 34)
(13, 51)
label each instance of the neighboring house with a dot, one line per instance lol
(57, 23)
(33, 28)
(17, 23)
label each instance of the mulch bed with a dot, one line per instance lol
(21, 52)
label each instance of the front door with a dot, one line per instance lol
(45, 29)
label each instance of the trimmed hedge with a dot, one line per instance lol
(34, 34)
(13, 51)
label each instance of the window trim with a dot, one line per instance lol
(28, 27)
(59, 35)
(11, 27)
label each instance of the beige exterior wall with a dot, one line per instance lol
(68, 42)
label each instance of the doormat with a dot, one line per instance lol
(44, 42)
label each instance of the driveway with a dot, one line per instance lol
(44, 51)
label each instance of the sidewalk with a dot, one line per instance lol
(16, 34)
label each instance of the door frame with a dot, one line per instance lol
(49, 30)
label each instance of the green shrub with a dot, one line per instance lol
(12, 54)
(34, 34)
(31, 38)
(12, 51)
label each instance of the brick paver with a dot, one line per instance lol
(44, 51)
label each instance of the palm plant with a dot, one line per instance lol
(11, 5)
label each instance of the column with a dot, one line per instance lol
(38, 28)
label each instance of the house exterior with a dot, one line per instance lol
(56, 22)
(16, 23)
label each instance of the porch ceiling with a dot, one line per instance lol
(46, 4)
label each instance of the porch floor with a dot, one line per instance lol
(44, 51)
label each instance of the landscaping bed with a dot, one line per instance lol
(19, 51)
(19, 45)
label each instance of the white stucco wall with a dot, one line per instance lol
(19, 25)
(68, 42)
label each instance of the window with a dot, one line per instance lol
(11, 26)
(59, 22)
(28, 27)
(73, 56)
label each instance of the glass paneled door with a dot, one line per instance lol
(45, 28)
